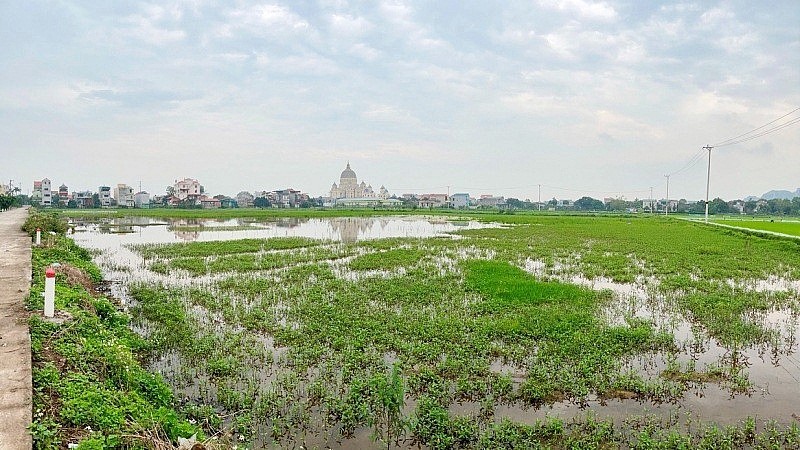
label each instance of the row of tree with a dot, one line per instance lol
(717, 206)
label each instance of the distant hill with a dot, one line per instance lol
(781, 194)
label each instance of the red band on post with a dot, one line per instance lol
(50, 272)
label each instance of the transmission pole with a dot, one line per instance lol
(666, 210)
(540, 197)
(708, 177)
(652, 202)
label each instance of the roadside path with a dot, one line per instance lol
(15, 342)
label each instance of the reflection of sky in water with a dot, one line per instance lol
(113, 237)
(144, 230)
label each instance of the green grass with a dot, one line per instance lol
(387, 260)
(213, 248)
(89, 383)
(789, 227)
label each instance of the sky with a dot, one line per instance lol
(582, 97)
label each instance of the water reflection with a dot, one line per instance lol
(147, 230)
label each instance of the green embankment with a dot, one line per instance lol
(89, 386)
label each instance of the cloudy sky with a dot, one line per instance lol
(584, 97)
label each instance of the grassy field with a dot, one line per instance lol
(298, 341)
(790, 227)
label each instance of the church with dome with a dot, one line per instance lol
(349, 187)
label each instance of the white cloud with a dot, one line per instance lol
(364, 51)
(347, 25)
(712, 103)
(583, 8)
(265, 20)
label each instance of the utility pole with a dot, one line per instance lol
(652, 202)
(540, 197)
(708, 178)
(666, 210)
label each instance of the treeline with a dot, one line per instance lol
(778, 207)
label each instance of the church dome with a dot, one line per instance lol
(348, 173)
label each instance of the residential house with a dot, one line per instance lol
(42, 193)
(83, 199)
(434, 201)
(63, 195)
(188, 188)
(492, 201)
(141, 200)
(459, 201)
(245, 199)
(104, 195)
(209, 202)
(124, 196)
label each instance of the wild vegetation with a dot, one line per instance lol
(310, 342)
(89, 386)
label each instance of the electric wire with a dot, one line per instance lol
(691, 163)
(763, 133)
(744, 136)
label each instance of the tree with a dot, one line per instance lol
(72, 204)
(170, 191)
(261, 202)
(589, 204)
(718, 206)
(6, 201)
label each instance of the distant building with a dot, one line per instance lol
(653, 205)
(460, 201)
(141, 200)
(104, 195)
(349, 187)
(42, 193)
(245, 199)
(83, 199)
(491, 201)
(209, 202)
(434, 201)
(228, 202)
(188, 188)
(63, 194)
(124, 196)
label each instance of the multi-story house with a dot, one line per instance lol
(245, 199)
(188, 188)
(460, 201)
(42, 193)
(104, 196)
(123, 194)
(63, 194)
(83, 199)
(141, 200)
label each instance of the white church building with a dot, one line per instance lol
(350, 188)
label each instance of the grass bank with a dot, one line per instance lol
(89, 385)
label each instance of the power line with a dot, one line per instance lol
(744, 136)
(691, 163)
(763, 133)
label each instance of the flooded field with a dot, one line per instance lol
(353, 332)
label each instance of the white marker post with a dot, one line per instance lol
(49, 292)
(38, 236)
